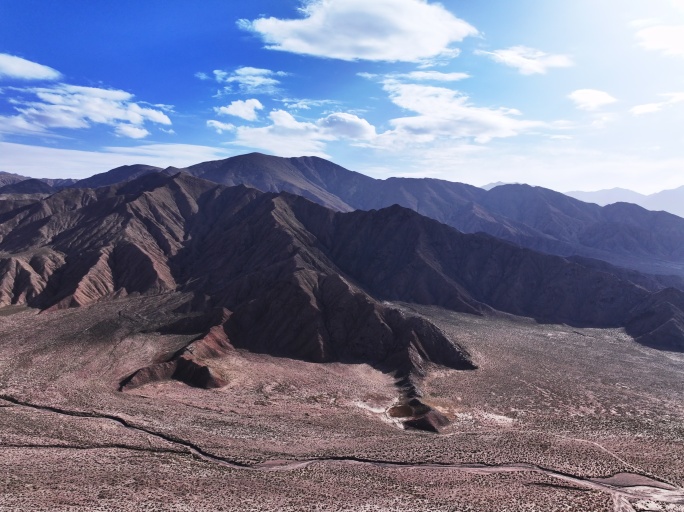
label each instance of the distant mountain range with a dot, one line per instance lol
(10, 184)
(668, 200)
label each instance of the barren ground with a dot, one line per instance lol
(555, 418)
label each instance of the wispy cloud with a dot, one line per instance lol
(650, 108)
(220, 127)
(418, 76)
(667, 39)
(591, 99)
(286, 136)
(445, 113)
(377, 30)
(131, 131)
(41, 109)
(17, 68)
(249, 80)
(528, 61)
(306, 104)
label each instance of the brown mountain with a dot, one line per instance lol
(624, 235)
(252, 276)
(8, 178)
(28, 186)
(118, 175)
(534, 217)
(279, 274)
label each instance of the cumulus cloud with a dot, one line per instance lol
(244, 109)
(447, 114)
(591, 99)
(249, 80)
(667, 39)
(528, 61)
(76, 107)
(346, 126)
(377, 30)
(286, 136)
(17, 68)
(650, 108)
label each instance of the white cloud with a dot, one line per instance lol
(591, 99)
(220, 127)
(45, 162)
(249, 80)
(650, 108)
(306, 104)
(447, 114)
(432, 76)
(22, 69)
(528, 61)
(646, 108)
(76, 107)
(244, 109)
(347, 126)
(667, 39)
(18, 125)
(132, 131)
(286, 136)
(377, 30)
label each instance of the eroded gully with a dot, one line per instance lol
(651, 489)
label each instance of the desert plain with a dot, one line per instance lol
(554, 418)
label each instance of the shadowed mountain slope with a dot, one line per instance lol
(8, 178)
(276, 273)
(28, 186)
(533, 217)
(256, 281)
(118, 175)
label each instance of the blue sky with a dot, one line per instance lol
(567, 95)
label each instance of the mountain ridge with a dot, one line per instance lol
(297, 279)
(669, 200)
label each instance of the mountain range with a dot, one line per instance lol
(667, 200)
(624, 235)
(280, 274)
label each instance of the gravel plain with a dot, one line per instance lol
(551, 411)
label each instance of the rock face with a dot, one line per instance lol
(278, 274)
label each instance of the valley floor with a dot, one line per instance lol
(555, 418)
